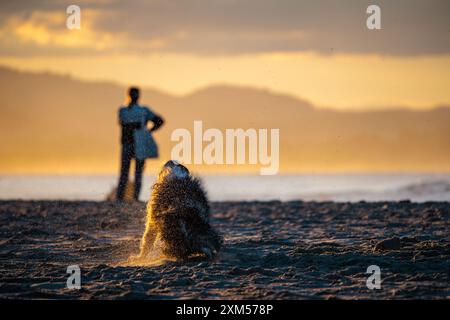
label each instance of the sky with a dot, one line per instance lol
(320, 51)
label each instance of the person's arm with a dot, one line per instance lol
(157, 120)
(120, 116)
(157, 123)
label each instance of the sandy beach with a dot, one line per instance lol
(272, 250)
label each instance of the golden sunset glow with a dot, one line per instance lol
(357, 82)
(321, 76)
(333, 79)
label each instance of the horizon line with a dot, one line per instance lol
(212, 85)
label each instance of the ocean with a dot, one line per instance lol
(307, 187)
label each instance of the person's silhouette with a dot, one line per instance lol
(130, 119)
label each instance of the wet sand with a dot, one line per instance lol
(272, 250)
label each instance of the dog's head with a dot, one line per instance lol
(173, 169)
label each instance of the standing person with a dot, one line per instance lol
(131, 118)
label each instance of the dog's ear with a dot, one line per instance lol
(180, 171)
(177, 172)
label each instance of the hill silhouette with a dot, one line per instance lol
(54, 123)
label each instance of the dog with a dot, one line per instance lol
(178, 216)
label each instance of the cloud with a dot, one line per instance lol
(222, 27)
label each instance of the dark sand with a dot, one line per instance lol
(276, 250)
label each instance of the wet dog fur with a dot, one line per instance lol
(178, 215)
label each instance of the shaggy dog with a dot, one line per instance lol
(178, 216)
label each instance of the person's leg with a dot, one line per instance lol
(138, 178)
(124, 169)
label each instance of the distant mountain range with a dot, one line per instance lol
(53, 123)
